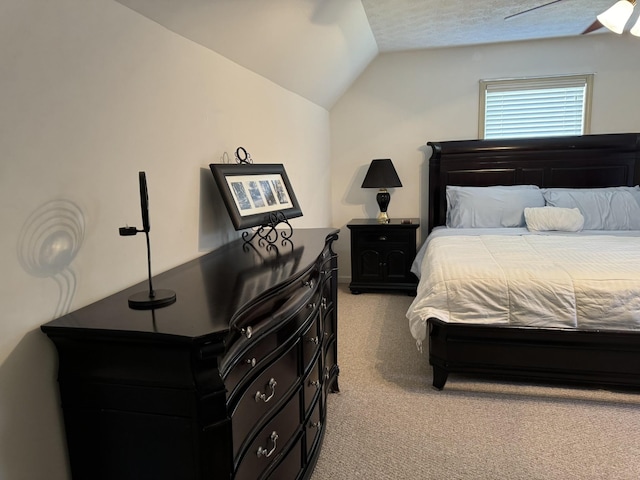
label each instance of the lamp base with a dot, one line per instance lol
(383, 217)
(144, 301)
(383, 198)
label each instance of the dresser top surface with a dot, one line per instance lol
(210, 290)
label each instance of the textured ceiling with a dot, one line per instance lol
(317, 48)
(414, 24)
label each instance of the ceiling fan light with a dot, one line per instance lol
(616, 17)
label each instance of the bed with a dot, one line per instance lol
(597, 345)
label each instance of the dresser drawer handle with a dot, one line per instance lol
(317, 424)
(251, 362)
(263, 452)
(263, 396)
(315, 340)
(312, 305)
(247, 332)
(315, 383)
(308, 284)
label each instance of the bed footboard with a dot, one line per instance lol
(603, 358)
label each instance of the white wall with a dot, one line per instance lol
(292, 42)
(91, 93)
(405, 99)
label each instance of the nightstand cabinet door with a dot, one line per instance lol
(395, 265)
(381, 255)
(369, 265)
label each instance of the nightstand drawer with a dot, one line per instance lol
(386, 236)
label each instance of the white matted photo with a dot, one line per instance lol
(251, 192)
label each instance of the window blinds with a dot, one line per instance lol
(535, 107)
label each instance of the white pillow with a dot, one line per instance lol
(490, 207)
(554, 218)
(603, 209)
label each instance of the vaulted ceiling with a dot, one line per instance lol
(317, 48)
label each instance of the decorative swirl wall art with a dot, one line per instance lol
(48, 242)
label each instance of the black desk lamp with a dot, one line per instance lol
(382, 175)
(153, 298)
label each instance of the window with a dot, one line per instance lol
(535, 107)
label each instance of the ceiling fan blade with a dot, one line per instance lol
(593, 27)
(531, 9)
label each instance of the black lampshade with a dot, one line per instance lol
(381, 174)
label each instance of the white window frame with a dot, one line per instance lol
(538, 84)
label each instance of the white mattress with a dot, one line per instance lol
(586, 281)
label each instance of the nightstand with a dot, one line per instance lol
(381, 255)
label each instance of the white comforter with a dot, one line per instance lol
(586, 282)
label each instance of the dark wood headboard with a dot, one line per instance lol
(578, 162)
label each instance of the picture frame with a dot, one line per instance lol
(252, 192)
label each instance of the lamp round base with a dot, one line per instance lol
(144, 301)
(383, 217)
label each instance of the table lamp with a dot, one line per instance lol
(382, 175)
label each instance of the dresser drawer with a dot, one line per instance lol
(290, 466)
(327, 297)
(259, 352)
(313, 426)
(330, 367)
(325, 258)
(270, 443)
(287, 298)
(287, 314)
(327, 324)
(263, 394)
(250, 361)
(311, 342)
(312, 384)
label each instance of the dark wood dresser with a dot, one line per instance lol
(228, 382)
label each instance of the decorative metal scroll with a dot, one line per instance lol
(272, 231)
(242, 157)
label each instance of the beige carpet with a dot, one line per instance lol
(387, 422)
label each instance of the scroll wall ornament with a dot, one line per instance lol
(242, 157)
